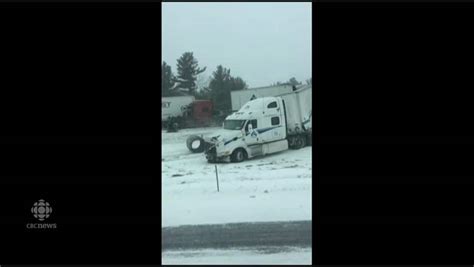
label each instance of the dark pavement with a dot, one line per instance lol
(274, 234)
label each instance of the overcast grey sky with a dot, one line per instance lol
(261, 42)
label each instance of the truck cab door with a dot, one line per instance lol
(252, 136)
(277, 130)
(253, 139)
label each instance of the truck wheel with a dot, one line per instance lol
(292, 142)
(310, 139)
(300, 141)
(238, 155)
(195, 144)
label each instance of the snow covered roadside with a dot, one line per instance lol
(238, 256)
(272, 188)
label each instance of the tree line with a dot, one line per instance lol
(218, 89)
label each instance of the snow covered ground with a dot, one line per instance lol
(272, 188)
(239, 256)
(267, 189)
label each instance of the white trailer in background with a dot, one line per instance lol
(241, 97)
(174, 106)
(262, 126)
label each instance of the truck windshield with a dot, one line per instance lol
(233, 124)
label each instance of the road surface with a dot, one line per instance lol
(234, 235)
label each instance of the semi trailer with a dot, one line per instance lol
(262, 126)
(186, 110)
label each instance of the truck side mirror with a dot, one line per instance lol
(250, 127)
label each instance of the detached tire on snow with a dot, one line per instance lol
(195, 144)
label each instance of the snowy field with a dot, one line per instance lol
(272, 188)
(267, 189)
(234, 256)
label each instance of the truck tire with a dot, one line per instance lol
(300, 141)
(310, 139)
(292, 142)
(238, 155)
(195, 144)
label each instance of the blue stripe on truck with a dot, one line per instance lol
(258, 130)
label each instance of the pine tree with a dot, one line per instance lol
(237, 84)
(220, 88)
(167, 80)
(188, 71)
(293, 81)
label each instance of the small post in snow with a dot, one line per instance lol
(217, 179)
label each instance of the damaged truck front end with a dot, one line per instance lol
(221, 146)
(216, 151)
(211, 155)
(214, 147)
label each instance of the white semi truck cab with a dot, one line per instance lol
(262, 126)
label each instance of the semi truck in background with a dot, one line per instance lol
(186, 111)
(189, 112)
(174, 106)
(261, 126)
